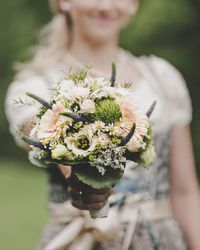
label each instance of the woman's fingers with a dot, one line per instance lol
(85, 197)
(85, 206)
(89, 197)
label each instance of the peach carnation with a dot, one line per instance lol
(131, 115)
(47, 127)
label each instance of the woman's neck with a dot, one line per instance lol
(100, 56)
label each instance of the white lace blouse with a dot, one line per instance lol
(160, 81)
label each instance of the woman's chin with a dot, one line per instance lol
(99, 35)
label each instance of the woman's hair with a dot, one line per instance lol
(54, 39)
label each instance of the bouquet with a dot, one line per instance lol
(93, 125)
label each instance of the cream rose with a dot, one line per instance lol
(87, 106)
(80, 92)
(65, 89)
(59, 152)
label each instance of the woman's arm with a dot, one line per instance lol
(184, 186)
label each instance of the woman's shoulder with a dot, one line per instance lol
(170, 78)
(166, 73)
(162, 67)
(159, 65)
(172, 82)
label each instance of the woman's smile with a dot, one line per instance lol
(103, 19)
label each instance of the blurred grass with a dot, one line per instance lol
(23, 205)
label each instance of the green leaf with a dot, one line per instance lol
(64, 162)
(91, 177)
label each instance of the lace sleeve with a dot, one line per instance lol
(176, 90)
(16, 114)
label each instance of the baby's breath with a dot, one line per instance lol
(111, 158)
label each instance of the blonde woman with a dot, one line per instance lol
(161, 208)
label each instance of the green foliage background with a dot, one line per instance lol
(169, 29)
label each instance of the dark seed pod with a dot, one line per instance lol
(127, 137)
(33, 143)
(151, 109)
(40, 100)
(72, 115)
(113, 77)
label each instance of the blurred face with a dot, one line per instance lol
(99, 20)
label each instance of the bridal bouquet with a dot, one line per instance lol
(93, 125)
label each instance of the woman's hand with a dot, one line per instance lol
(86, 198)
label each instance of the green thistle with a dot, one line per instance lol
(107, 111)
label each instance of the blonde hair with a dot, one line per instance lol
(54, 39)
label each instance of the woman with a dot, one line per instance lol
(161, 208)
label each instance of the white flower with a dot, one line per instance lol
(80, 92)
(65, 89)
(89, 82)
(109, 92)
(59, 152)
(97, 94)
(87, 106)
(81, 143)
(66, 85)
(102, 82)
(123, 92)
(64, 122)
(98, 125)
(96, 83)
(114, 129)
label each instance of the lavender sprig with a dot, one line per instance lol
(113, 77)
(127, 137)
(151, 109)
(32, 142)
(40, 100)
(72, 115)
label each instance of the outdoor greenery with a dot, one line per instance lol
(169, 29)
(23, 212)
